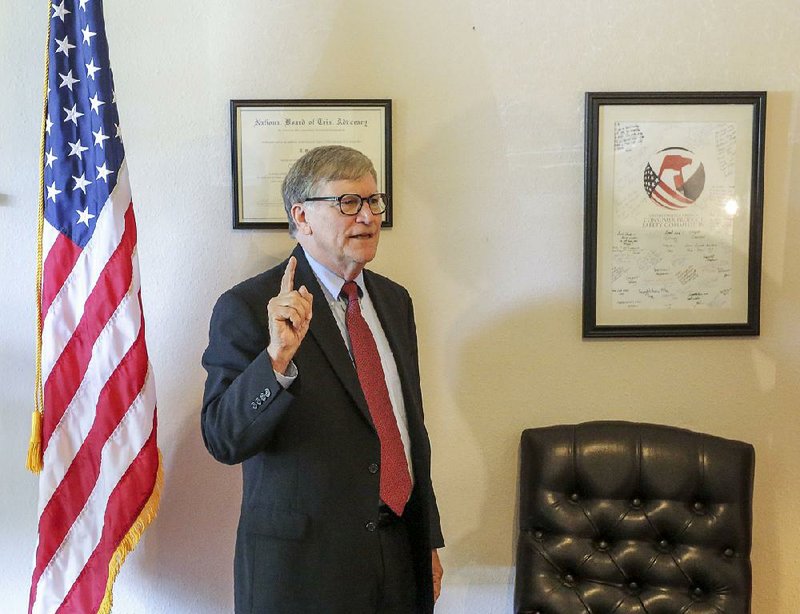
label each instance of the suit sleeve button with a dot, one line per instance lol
(370, 526)
(267, 393)
(373, 468)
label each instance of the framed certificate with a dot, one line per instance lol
(673, 213)
(268, 136)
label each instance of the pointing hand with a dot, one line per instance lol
(289, 316)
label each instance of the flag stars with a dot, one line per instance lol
(48, 124)
(80, 184)
(52, 192)
(72, 114)
(60, 11)
(68, 80)
(99, 137)
(87, 34)
(96, 103)
(64, 46)
(76, 149)
(83, 4)
(50, 158)
(84, 216)
(118, 134)
(103, 172)
(91, 69)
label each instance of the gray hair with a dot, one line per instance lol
(321, 164)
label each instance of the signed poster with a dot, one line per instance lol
(673, 207)
(673, 215)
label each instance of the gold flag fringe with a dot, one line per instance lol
(34, 461)
(133, 536)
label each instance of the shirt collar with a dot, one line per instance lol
(329, 280)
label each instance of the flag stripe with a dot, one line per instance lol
(67, 308)
(68, 372)
(68, 563)
(124, 507)
(61, 259)
(76, 421)
(664, 199)
(679, 198)
(72, 491)
(660, 199)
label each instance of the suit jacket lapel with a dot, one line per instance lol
(326, 333)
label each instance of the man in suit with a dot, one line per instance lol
(313, 385)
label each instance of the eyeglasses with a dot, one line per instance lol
(350, 204)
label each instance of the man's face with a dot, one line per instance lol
(342, 243)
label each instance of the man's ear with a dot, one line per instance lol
(300, 220)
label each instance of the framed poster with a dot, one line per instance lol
(673, 213)
(268, 136)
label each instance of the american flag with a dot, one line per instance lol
(100, 475)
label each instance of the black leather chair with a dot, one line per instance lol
(633, 518)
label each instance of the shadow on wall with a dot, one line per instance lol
(193, 536)
(188, 551)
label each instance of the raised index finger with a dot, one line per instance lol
(287, 281)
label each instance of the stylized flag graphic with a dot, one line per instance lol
(95, 437)
(679, 181)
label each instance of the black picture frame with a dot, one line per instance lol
(268, 136)
(691, 266)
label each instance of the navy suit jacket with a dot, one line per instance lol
(308, 452)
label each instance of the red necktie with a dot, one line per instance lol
(395, 482)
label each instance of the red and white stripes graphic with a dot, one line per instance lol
(100, 479)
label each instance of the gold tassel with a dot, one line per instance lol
(34, 462)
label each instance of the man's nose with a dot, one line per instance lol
(366, 215)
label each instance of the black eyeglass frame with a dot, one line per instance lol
(384, 202)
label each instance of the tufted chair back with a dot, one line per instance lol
(633, 518)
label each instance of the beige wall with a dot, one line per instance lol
(488, 189)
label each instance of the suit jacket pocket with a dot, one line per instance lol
(272, 522)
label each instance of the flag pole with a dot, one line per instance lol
(34, 461)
